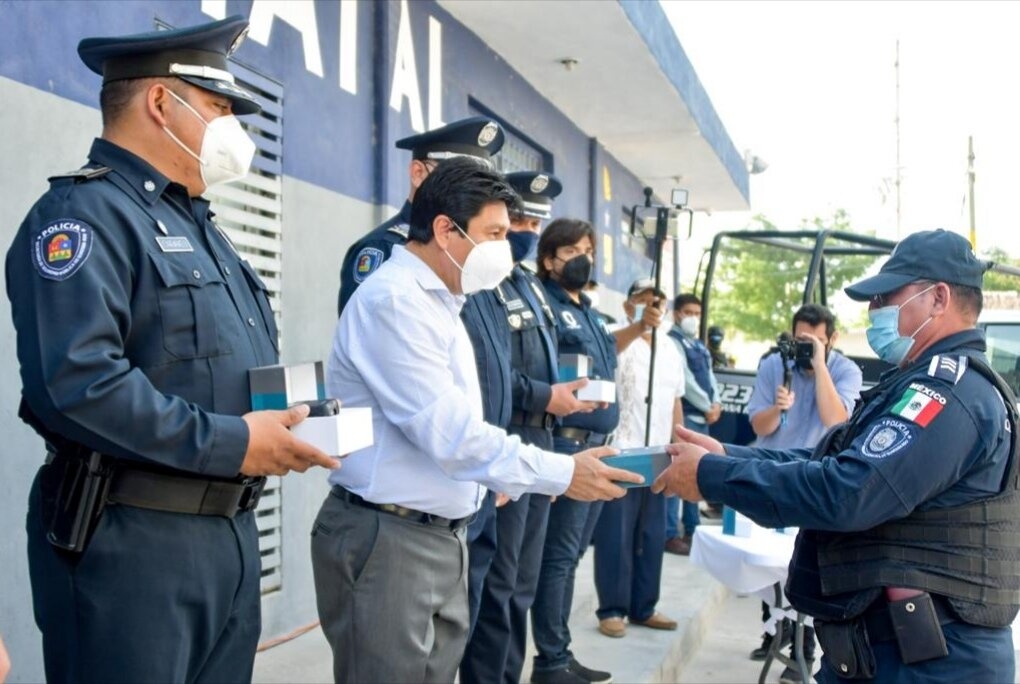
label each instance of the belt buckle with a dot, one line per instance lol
(250, 494)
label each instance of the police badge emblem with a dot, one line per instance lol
(539, 183)
(487, 134)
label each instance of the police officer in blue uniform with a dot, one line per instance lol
(477, 136)
(909, 512)
(566, 252)
(495, 651)
(136, 325)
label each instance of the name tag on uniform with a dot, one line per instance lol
(174, 244)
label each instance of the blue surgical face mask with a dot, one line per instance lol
(523, 244)
(884, 334)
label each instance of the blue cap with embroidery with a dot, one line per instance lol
(936, 255)
(196, 54)
(477, 136)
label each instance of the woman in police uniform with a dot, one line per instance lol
(566, 254)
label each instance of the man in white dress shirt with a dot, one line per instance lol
(388, 546)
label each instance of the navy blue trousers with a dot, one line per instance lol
(495, 651)
(571, 524)
(481, 540)
(629, 543)
(156, 597)
(976, 654)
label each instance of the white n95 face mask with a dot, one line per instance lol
(227, 150)
(689, 325)
(486, 266)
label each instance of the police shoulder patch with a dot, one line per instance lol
(368, 259)
(948, 368)
(886, 437)
(61, 248)
(920, 404)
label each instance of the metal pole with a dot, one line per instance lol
(970, 190)
(661, 228)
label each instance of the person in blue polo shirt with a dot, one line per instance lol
(476, 136)
(909, 513)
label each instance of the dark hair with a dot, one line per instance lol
(458, 188)
(969, 300)
(683, 300)
(561, 233)
(115, 96)
(814, 315)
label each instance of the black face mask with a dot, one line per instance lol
(576, 273)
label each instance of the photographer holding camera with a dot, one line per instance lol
(803, 388)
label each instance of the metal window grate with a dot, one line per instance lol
(250, 212)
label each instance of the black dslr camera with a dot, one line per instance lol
(800, 353)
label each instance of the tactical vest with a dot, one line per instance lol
(699, 361)
(969, 554)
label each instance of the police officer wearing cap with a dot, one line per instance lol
(136, 325)
(495, 652)
(566, 253)
(476, 136)
(910, 512)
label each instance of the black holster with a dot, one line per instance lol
(74, 491)
(847, 648)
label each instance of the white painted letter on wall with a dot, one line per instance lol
(217, 9)
(298, 13)
(405, 74)
(349, 46)
(435, 73)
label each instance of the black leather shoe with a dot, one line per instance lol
(763, 650)
(564, 676)
(588, 674)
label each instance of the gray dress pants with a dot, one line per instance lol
(391, 594)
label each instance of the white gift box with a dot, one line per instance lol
(348, 431)
(598, 390)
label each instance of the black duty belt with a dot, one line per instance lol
(180, 494)
(525, 419)
(880, 626)
(581, 436)
(402, 511)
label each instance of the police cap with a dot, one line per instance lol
(478, 136)
(537, 190)
(937, 255)
(196, 54)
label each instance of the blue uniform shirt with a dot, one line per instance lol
(485, 321)
(136, 320)
(925, 439)
(369, 253)
(581, 330)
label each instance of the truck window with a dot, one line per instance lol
(1004, 351)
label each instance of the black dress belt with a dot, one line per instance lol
(879, 623)
(586, 437)
(525, 419)
(401, 511)
(181, 494)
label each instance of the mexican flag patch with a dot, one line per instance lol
(919, 404)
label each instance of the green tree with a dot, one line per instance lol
(1000, 282)
(757, 287)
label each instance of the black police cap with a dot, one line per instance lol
(478, 136)
(537, 190)
(196, 54)
(937, 255)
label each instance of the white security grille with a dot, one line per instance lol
(250, 212)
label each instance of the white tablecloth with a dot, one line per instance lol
(744, 564)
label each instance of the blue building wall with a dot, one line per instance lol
(341, 174)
